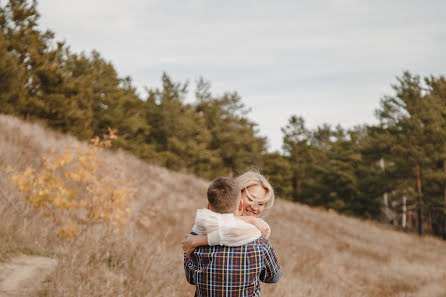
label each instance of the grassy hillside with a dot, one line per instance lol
(322, 253)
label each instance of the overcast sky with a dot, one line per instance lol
(329, 61)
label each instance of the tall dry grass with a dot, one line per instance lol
(321, 253)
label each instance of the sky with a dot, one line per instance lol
(329, 61)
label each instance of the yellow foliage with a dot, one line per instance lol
(69, 231)
(78, 187)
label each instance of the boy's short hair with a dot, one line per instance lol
(223, 195)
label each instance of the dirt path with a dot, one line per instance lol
(23, 275)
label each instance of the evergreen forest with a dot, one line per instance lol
(394, 171)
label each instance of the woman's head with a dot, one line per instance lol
(257, 193)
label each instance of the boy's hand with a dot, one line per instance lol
(261, 226)
(258, 223)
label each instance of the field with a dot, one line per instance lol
(322, 253)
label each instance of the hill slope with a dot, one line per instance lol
(322, 253)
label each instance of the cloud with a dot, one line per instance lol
(330, 61)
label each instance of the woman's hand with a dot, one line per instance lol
(191, 242)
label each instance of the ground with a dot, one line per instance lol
(24, 275)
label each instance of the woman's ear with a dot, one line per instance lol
(209, 206)
(240, 206)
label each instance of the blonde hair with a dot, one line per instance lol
(251, 178)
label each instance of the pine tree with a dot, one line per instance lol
(12, 79)
(178, 131)
(436, 175)
(296, 141)
(279, 172)
(407, 117)
(233, 136)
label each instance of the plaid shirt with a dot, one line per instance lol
(223, 271)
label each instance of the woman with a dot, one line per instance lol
(257, 196)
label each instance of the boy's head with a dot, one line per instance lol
(224, 196)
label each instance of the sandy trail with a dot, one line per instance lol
(23, 275)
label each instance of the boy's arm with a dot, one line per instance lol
(223, 229)
(233, 232)
(271, 271)
(258, 223)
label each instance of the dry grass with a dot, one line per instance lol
(9, 250)
(322, 253)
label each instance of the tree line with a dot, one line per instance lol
(393, 171)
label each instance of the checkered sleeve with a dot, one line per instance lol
(271, 271)
(189, 269)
